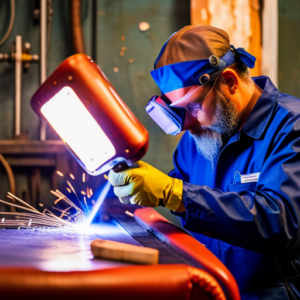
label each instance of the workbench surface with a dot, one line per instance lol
(59, 249)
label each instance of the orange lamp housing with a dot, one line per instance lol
(86, 112)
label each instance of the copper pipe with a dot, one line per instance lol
(18, 84)
(43, 56)
(76, 28)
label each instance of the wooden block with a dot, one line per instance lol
(124, 252)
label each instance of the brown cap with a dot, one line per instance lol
(194, 42)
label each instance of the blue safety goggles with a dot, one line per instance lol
(175, 79)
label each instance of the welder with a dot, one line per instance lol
(236, 182)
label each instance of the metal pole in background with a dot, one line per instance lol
(94, 30)
(18, 81)
(270, 40)
(43, 55)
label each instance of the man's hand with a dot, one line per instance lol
(144, 185)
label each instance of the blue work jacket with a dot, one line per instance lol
(252, 227)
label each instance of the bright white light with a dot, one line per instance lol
(97, 205)
(77, 127)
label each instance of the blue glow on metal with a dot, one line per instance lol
(98, 204)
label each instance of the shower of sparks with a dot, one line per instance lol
(65, 213)
(32, 219)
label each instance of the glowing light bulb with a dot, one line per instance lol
(78, 129)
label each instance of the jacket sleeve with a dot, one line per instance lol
(264, 221)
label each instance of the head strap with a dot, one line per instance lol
(187, 73)
(244, 56)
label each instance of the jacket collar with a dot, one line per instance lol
(261, 113)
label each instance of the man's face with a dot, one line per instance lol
(218, 119)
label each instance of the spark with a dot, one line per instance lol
(72, 176)
(7, 196)
(23, 202)
(73, 190)
(105, 176)
(83, 192)
(83, 177)
(41, 204)
(57, 195)
(64, 212)
(129, 213)
(15, 205)
(59, 173)
(65, 198)
(68, 190)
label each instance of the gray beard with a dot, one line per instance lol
(210, 139)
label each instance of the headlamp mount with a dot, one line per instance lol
(172, 80)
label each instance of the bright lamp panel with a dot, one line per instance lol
(77, 127)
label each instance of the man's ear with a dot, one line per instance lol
(231, 79)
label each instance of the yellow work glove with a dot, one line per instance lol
(144, 185)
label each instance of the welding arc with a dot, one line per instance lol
(98, 204)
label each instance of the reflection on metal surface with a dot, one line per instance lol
(59, 249)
